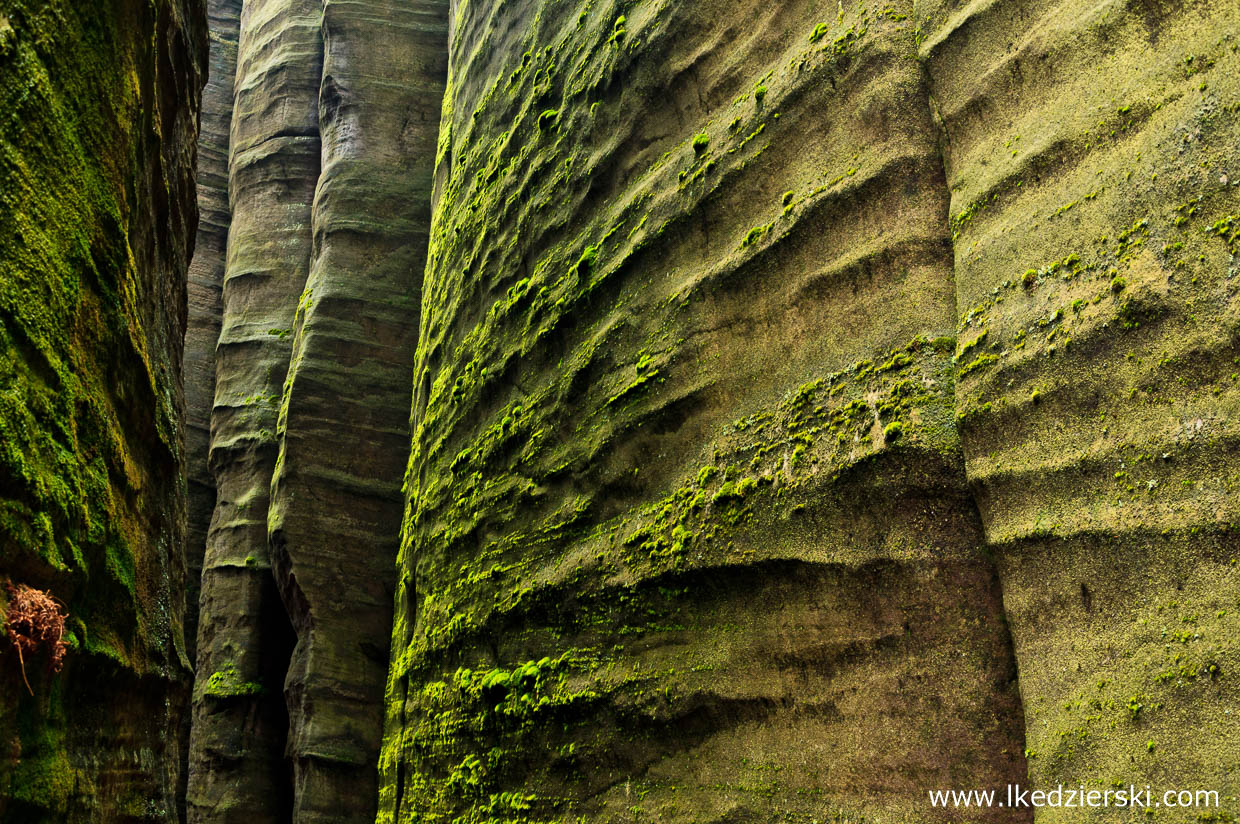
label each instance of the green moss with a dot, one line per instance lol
(756, 234)
(499, 715)
(43, 785)
(90, 440)
(619, 30)
(1228, 228)
(897, 361)
(44, 779)
(228, 683)
(980, 362)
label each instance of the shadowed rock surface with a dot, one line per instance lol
(343, 430)
(206, 278)
(333, 142)
(98, 121)
(238, 772)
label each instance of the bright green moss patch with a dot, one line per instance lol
(501, 716)
(228, 683)
(980, 362)
(754, 235)
(619, 30)
(1228, 228)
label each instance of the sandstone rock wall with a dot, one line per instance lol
(98, 123)
(343, 428)
(1091, 152)
(206, 278)
(237, 770)
(820, 403)
(813, 404)
(333, 133)
(689, 534)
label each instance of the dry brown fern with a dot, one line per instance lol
(35, 621)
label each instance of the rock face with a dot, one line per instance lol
(98, 123)
(237, 768)
(329, 187)
(343, 430)
(1091, 154)
(791, 378)
(206, 278)
(812, 406)
(689, 534)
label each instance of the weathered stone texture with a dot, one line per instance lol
(813, 405)
(778, 360)
(206, 279)
(1091, 150)
(333, 142)
(238, 771)
(336, 495)
(688, 533)
(98, 123)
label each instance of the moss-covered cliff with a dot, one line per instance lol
(1091, 152)
(794, 375)
(689, 535)
(98, 120)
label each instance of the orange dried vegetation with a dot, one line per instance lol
(35, 621)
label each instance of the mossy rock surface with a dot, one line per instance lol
(98, 118)
(761, 440)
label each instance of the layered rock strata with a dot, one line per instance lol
(813, 405)
(333, 140)
(343, 428)
(238, 771)
(689, 536)
(791, 377)
(206, 279)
